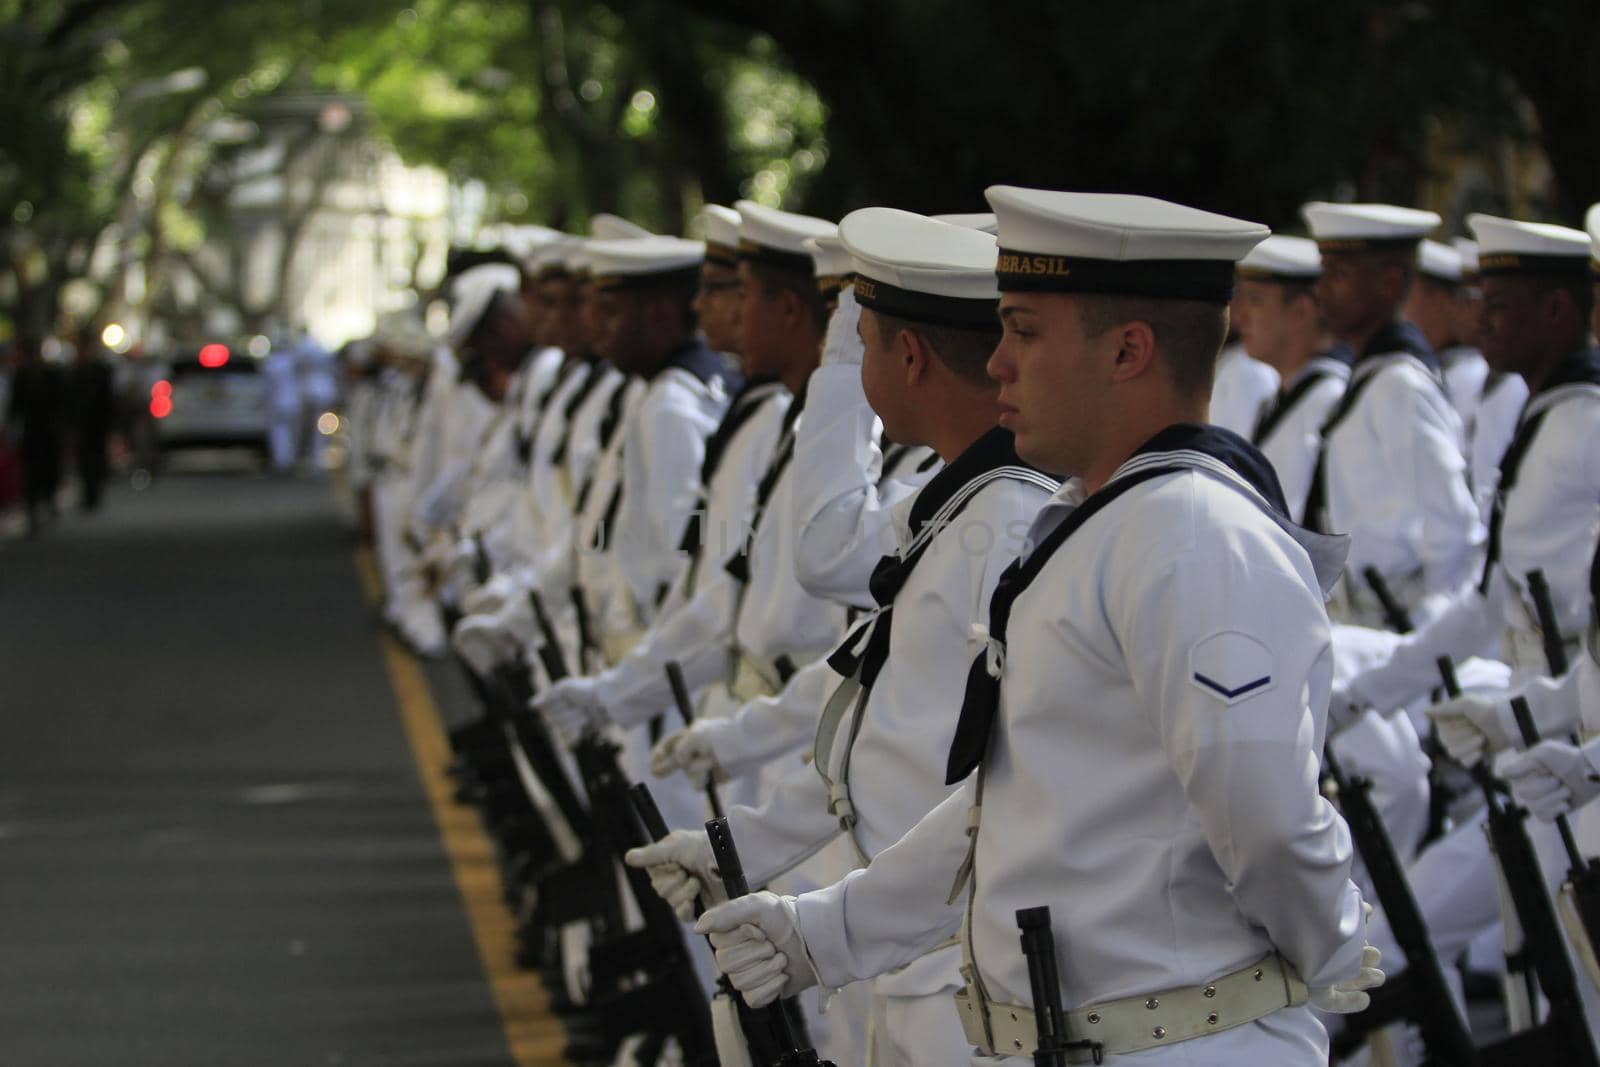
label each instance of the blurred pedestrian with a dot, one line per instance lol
(92, 410)
(37, 414)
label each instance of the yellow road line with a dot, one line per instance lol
(533, 1034)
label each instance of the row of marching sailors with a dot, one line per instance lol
(1148, 749)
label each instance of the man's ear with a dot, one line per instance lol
(914, 355)
(1136, 351)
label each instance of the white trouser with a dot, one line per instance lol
(920, 1031)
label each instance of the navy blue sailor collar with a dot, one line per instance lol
(704, 365)
(995, 450)
(1229, 458)
(1400, 336)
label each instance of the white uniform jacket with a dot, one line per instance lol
(696, 621)
(1152, 766)
(1395, 477)
(889, 754)
(664, 445)
(1489, 435)
(1241, 388)
(841, 495)
(1289, 432)
(1551, 520)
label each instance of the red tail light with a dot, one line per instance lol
(214, 355)
(161, 399)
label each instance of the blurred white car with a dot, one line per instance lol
(211, 398)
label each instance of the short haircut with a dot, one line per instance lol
(1579, 288)
(1188, 333)
(964, 351)
(774, 279)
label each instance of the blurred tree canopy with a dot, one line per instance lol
(119, 115)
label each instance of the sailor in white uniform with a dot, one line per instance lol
(1243, 385)
(1392, 473)
(1546, 517)
(717, 635)
(1145, 707)
(845, 482)
(1491, 416)
(449, 426)
(1275, 312)
(929, 328)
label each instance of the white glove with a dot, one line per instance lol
(1471, 727)
(758, 946)
(682, 868)
(460, 568)
(1345, 707)
(1551, 778)
(1348, 997)
(842, 344)
(689, 751)
(571, 706)
(492, 595)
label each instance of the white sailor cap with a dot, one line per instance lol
(550, 257)
(972, 220)
(576, 257)
(471, 293)
(608, 227)
(1438, 261)
(831, 261)
(1591, 222)
(640, 262)
(720, 225)
(1506, 246)
(914, 267)
(767, 235)
(1367, 227)
(1467, 249)
(1281, 258)
(523, 242)
(1116, 243)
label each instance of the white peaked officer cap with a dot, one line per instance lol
(639, 262)
(918, 268)
(1367, 227)
(1591, 221)
(1116, 243)
(1506, 246)
(1281, 258)
(972, 220)
(1441, 262)
(1467, 249)
(473, 290)
(720, 225)
(608, 227)
(767, 235)
(831, 261)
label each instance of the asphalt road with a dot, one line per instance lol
(214, 845)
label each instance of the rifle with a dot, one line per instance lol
(1420, 993)
(646, 979)
(1563, 1037)
(1555, 651)
(1039, 949)
(669, 1001)
(680, 696)
(757, 1040)
(1394, 612)
(780, 1023)
(482, 570)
